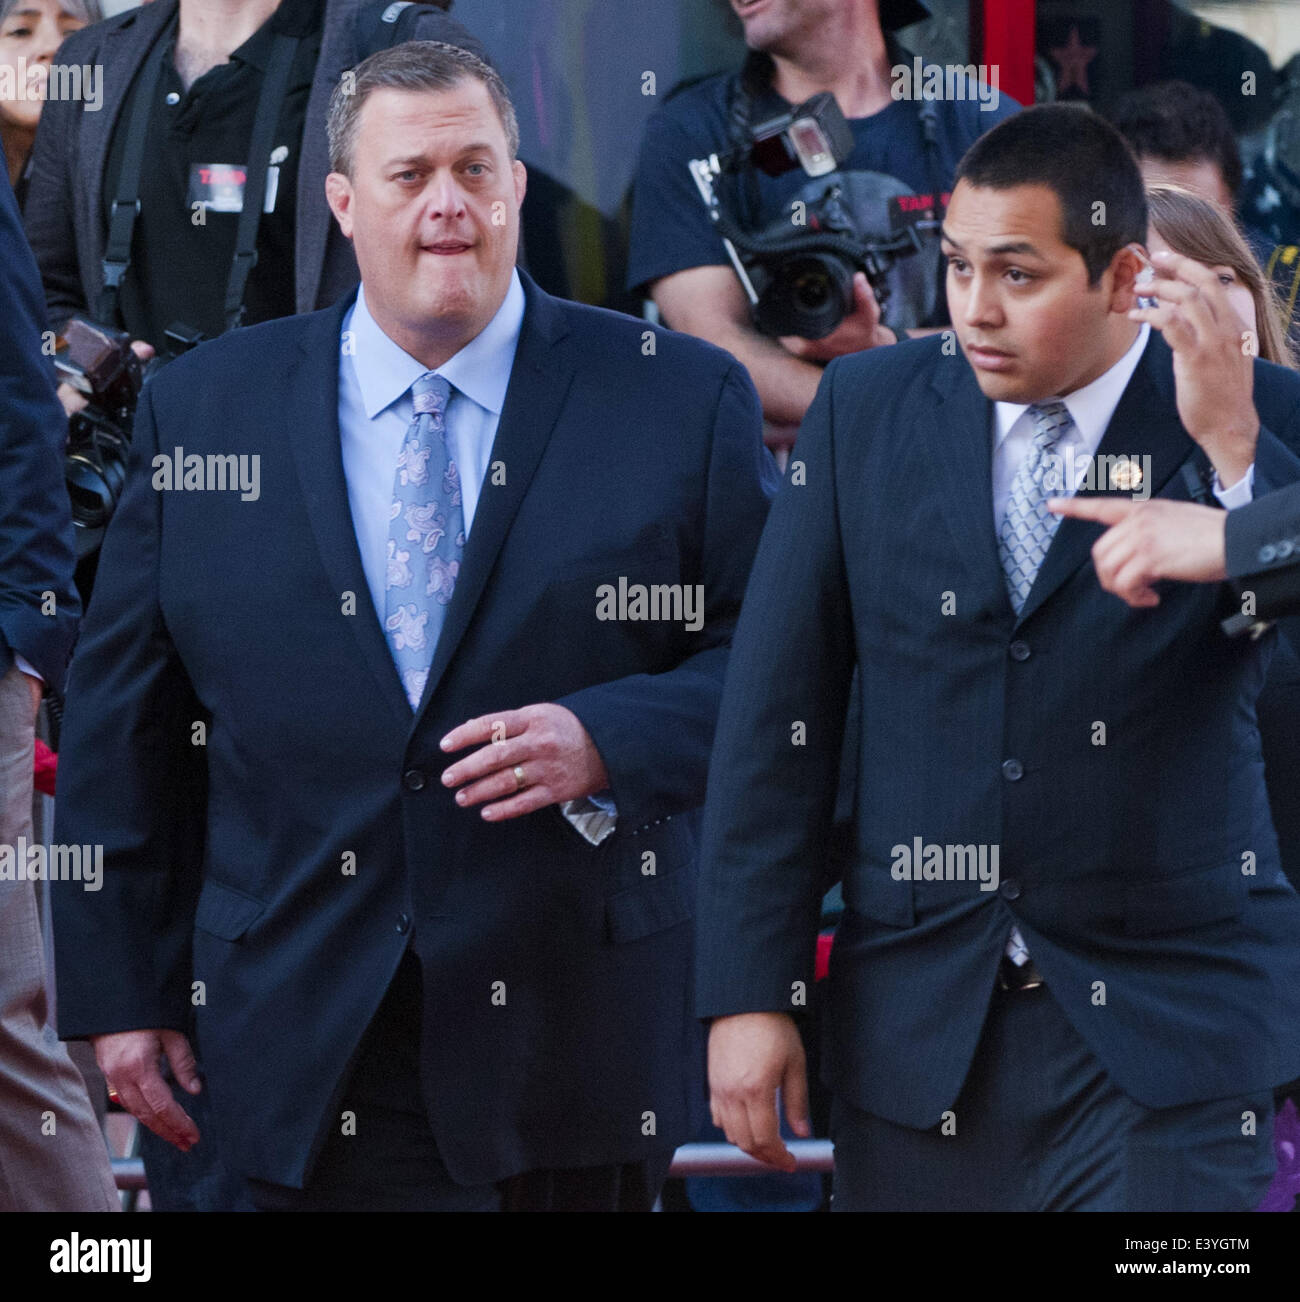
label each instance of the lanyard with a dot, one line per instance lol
(125, 207)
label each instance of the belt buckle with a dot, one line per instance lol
(1004, 984)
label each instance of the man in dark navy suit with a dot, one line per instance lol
(437, 588)
(1257, 549)
(1068, 973)
(63, 1168)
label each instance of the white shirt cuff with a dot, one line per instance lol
(594, 817)
(1240, 494)
(26, 667)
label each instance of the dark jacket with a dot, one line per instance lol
(38, 603)
(557, 975)
(1111, 756)
(1263, 545)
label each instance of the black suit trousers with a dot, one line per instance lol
(1040, 1126)
(391, 1162)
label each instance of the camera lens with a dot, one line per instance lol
(808, 296)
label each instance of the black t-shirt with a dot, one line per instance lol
(197, 151)
(888, 179)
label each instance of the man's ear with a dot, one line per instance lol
(338, 193)
(1125, 268)
(521, 180)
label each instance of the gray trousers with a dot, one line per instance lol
(52, 1154)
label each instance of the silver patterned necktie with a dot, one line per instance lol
(1028, 526)
(426, 537)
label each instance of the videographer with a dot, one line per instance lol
(134, 211)
(902, 150)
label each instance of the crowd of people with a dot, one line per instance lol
(480, 714)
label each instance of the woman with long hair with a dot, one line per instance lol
(1185, 223)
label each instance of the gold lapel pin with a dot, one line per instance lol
(1125, 475)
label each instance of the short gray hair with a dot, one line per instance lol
(414, 66)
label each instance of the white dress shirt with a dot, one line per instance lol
(375, 411)
(1091, 409)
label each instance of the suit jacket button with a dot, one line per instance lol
(1009, 889)
(1284, 549)
(1267, 553)
(1019, 650)
(1013, 770)
(403, 923)
(413, 780)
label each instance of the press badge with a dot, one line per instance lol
(220, 186)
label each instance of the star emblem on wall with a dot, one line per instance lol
(1073, 58)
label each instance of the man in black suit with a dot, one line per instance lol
(1068, 974)
(451, 657)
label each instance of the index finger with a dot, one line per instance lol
(162, 1114)
(474, 732)
(1176, 266)
(1105, 510)
(864, 297)
(765, 1133)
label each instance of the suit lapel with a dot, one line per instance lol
(962, 447)
(318, 456)
(543, 370)
(1145, 424)
(539, 381)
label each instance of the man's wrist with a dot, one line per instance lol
(1233, 455)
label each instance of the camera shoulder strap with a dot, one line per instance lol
(753, 80)
(275, 83)
(125, 208)
(126, 205)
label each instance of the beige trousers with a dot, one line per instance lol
(52, 1152)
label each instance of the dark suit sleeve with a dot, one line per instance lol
(36, 549)
(49, 207)
(130, 780)
(776, 758)
(654, 731)
(1263, 545)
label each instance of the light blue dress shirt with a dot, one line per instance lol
(375, 411)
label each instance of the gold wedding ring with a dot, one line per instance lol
(519, 777)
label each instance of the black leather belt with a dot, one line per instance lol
(1014, 977)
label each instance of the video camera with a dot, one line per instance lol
(800, 281)
(101, 364)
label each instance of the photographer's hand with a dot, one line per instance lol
(1214, 372)
(74, 400)
(859, 330)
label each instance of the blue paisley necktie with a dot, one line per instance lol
(426, 538)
